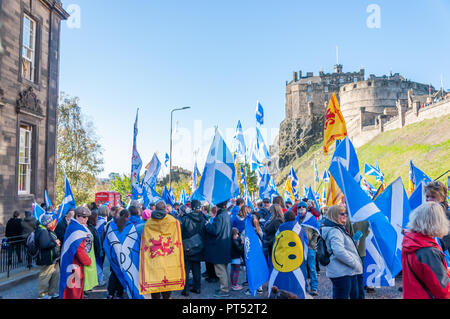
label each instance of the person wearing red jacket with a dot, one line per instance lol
(425, 272)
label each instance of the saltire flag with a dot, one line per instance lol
(324, 197)
(167, 197)
(326, 176)
(239, 142)
(311, 195)
(272, 189)
(361, 208)
(248, 199)
(259, 114)
(68, 202)
(38, 211)
(243, 182)
(374, 171)
(335, 127)
(305, 191)
(294, 181)
(195, 176)
(416, 176)
(150, 196)
(48, 202)
(136, 165)
(264, 184)
(394, 204)
(151, 173)
(309, 221)
(288, 262)
(260, 147)
(418, 197)
(316, 173)
(123, 249)
(183, 197)
(255, 163)
(345, 154)
(255, 261)
(376, 274)
(288, 191)
(100, 226)
(219, 179)
(166, 159)
(74, 237)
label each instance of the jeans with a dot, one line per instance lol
(311, 262)
(345, 287)
(115, 288)
(361, 285)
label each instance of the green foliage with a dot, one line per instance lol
(250, 178)
(122, 185)
(79, 155)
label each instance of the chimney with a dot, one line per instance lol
(295, 77)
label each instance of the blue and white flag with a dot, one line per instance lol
(311, 195)
(38, 211)
(316, 173)
(167, 158)
(393, 203)
(267, 188)
(256, 263)
(195, 176)
(136, 165)
(374, 171)
(48, 202)
(122, 249)
(309, 221)
(239, 142)
(418, 176)
(259, 114)
(260, 147)
(345, 154)
(168, 197)
(368, 188)
(255, 163)
(326, 176)
(376, 274)
(75, 234)
(152, 172)
(183, 197)
(294, 182)
(150, 196)
(288, 262)
(243, 182)
(361, 208)
(418, 197)
(219, 179)
(68, 202)
(248, 199)
(101, 222)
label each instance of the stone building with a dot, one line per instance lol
(307, 98)
(29, 76)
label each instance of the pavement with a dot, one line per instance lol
(22, 284)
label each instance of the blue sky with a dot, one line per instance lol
(220, 57)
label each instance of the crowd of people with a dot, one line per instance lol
(214, 235)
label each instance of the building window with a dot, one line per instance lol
(28, 48)
(341, 80)
(309, 98)
(355, 79)
(309, 89)
(25, 139)
(326, 89)
(326, 97)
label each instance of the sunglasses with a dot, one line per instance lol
(343, 214)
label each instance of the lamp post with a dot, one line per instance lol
(171, 122)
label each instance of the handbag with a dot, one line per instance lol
(193, 245)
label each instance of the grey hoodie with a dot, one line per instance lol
(345, 260)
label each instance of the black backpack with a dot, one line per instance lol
(32, 249)
(322, 252)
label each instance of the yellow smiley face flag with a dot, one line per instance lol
(288, 259)
(161, 262)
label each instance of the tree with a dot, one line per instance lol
(121, 184)
(79, 155)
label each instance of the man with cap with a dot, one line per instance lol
(49, 250)
(264, 212)
(218, 247)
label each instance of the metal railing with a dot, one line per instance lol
(14, 255)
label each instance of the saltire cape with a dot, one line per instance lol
(122, 250)
(75, 235)
(161, 261)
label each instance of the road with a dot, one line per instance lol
(28, 290)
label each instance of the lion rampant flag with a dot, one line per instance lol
(161, 264)
(288, 190)
(335, 127)
(334, 194)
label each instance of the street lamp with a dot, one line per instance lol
(171, 122)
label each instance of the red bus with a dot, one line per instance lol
(112, 198)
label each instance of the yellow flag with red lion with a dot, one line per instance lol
(161, 262)
(335, 127)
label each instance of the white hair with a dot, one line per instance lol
(429, 219)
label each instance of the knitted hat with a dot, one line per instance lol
(302, 204)
(146, 214)
(46, 219)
